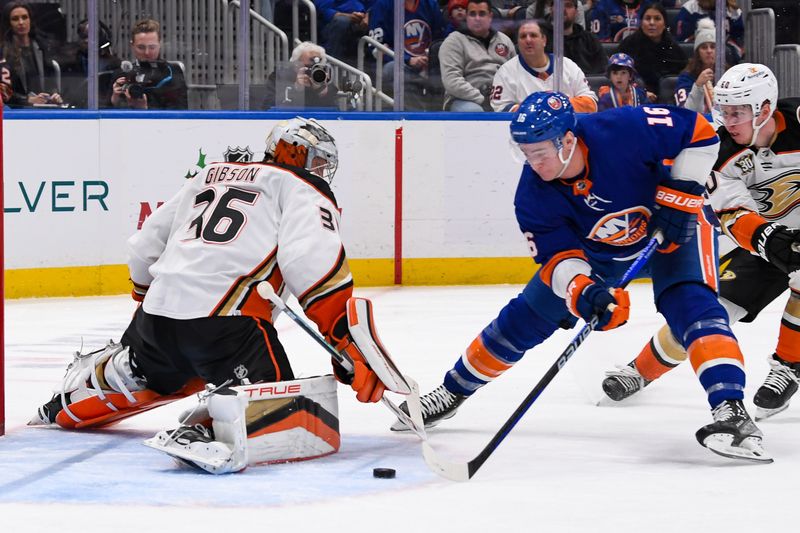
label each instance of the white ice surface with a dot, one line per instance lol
(569, 465)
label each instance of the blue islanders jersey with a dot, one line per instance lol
(605, 213)
(613, 20)
(423, 25)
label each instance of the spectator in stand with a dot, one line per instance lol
(694, 10)
(695, 87)
(74, 60)
(510, 9)
(653, 48)
(343, 23)
(28, 57)
(306, 92)
(423, 25)
(456, 16)
(614, 20)
(542, 10)
(624, 89)
(579, 45)
(532, 71)
(151, 82)
(469, 59)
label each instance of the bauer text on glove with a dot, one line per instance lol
(678, 203)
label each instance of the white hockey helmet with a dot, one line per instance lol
(306, 144)
(748, 84)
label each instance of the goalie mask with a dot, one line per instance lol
(746, 84)
(306, 144)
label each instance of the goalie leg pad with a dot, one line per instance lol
(292, 420)
(99, 389)
(261, 423)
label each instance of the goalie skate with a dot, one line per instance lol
(733, 434)
(194, 446)
(779, 386)
(439, 404)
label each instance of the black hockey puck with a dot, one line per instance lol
(383, 473)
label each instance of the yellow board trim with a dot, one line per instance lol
(114, 279)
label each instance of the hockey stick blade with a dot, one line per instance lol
(463, 472)
(450, 470)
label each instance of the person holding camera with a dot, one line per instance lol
(469, 58)
(148, 82)
(311, 75)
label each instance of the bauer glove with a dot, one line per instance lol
(678, 202)
(586, 298)
(362, 379)
(776, 244)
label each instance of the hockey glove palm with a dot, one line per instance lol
(678, 202)
(779, 245)
(363, 380)
(585, 298)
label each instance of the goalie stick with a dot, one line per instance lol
(465, 471)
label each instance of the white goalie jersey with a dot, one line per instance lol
(761, 180)
(232, 226)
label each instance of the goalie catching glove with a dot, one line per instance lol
(586, 298)
(678, 202)
(357, 339)
(776, 244)
(361, 378)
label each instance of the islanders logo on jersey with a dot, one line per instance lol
(501, 50)
(622, 228)
(418, 37)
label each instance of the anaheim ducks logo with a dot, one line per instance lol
(779, 196)
(623, 227)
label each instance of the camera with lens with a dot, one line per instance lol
(145, 76)
(318, 72)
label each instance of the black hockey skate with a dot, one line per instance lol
(779, 386)
(733, 434)
(46, 414)
(439, 404)
(623, 382)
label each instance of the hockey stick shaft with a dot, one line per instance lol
(266, 291)
(462, 474)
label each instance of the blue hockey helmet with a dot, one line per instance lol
(620, 60)
(542, 116)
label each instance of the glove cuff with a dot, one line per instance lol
(680, 200)
(574, 291)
